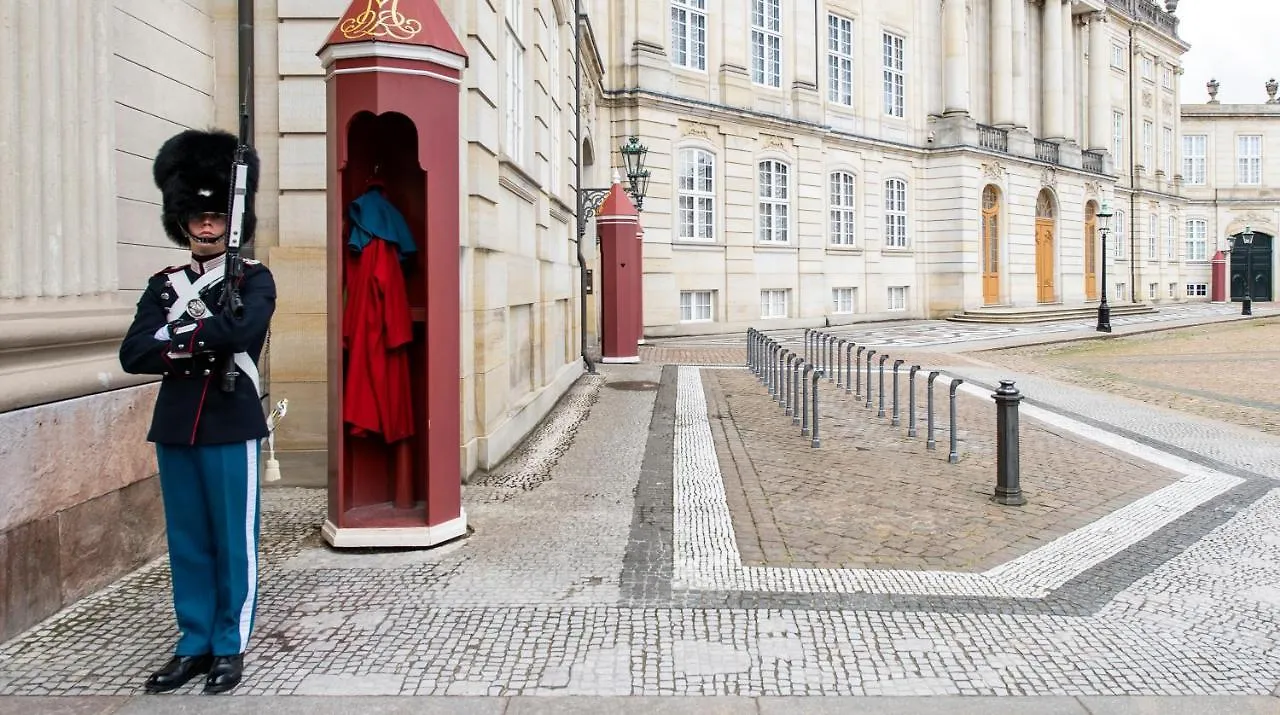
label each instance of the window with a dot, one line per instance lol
(1117, 135)
(1122, 229)
(1153, 289)
(1195, 149)
(990, 231)
(689, 33)
(695, 306)
(1148, 140)
(1249, 159)
(1171, 239)
(696, 202)
(1153, 236)
(843, 211)
(1121, 290)
(773, 303)
(1173, 290)
(775, 202)
(1166, 81)
(897, 297)
(1197, 289)
(840, 60)
(555, 156)
(1197, 240)
(895, 78)
(842, 299)
(1166, 150)
(1117, 56)
(1148, 68)
(515, 82)
(895, 213)
(766, 42)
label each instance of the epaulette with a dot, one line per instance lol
(170, 269)
(251, 262)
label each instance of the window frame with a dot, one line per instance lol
(694, 306)
(1195, 163)
(836, 56)
(1196, 242)
(776, 203)
(1117, 135)
(852, 293)
(1254, 168)
(847, 209)
(696, 195)
(766, 43)
(894, 77)
(904, 292)
(515, 139)
(772, 293)
(896, 213)
(687, 44)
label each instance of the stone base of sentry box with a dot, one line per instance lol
(620, 360)
(394, 537)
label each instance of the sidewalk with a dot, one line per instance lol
(605, 575)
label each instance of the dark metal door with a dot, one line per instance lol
(1256, 260)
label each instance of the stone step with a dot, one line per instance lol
(1044, 314)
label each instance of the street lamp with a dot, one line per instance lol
(633, 154)
(1104, 310)
(1246, 238)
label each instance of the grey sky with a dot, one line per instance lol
(1233, 41)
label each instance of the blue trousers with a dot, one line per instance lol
(211, 512)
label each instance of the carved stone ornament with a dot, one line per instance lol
(1147, 98)
(993, 170)
(1272, 86)
(1092, 188)
(1212, 86)
(697, 130)
(773, 142)
(1049, 177)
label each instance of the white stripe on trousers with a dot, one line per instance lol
(251, 545)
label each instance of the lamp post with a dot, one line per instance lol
(1246, 238)
(1104, 310)
(633, 155)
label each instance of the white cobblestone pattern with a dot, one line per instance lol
(528, 605)
(707, 555)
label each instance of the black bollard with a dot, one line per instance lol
(882, 359)
(1008, 490)
(807, 331)
(894, 421)
(848, 367)
(786, 382)
(783, 355)
(911, 401)
(929, 442)
(833, 354)
(857, 372)
(954, 456)
(815, 442)
(870, 354)
(795, 392)
(804, 399)
(840, 343)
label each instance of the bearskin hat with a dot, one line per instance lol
(193, 172)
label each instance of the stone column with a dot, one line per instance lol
(57, 233)
(1070, 109)
(1002, 114)
(1051, 70)
(956, 50)
(1099, 82)
(1021, 77)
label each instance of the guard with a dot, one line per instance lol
(208, 419)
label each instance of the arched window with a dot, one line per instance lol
(843, 208)
(696, 196)
(775, 201)
(991, 230)
(1044, 204)
(895, 213)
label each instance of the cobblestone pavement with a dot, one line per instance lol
(1224, 372)
(604, 562)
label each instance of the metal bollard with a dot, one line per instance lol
(895, 421)
(783, 355)
(795, 391)
(882, 359)
(825, 363)
(857, 370)
(804, 399)
(1008, 490)
(815, 442)
(929, 442)
(870, 354)
(911, 401)
(806, 342)
(749, 336)
(848, 367)
(831, 348)
(770, 382)
(786, 382)
(954, 456)
(840, 365)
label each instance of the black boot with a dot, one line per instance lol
(177, 672)
(224, 673)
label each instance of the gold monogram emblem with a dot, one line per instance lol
(381, 18)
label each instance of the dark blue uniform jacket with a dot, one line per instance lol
(192, 408)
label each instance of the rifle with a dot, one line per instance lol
(235, 227)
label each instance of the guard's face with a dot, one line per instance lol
(209, 230)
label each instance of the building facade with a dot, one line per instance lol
(1229, 187)
(829, 162)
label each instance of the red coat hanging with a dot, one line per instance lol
(377, 329)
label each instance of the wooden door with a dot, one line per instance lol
(1090, 258)
(1045, 292)
(990, 246)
